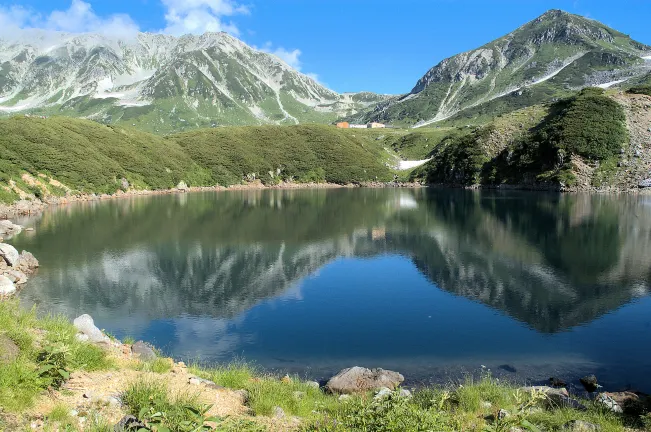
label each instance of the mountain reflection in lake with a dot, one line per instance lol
(427, 282)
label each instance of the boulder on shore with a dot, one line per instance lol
(27, 263)
(8, 228)
(9, 254)
(590, 383)
(7, 287)
(629, 402)
(85, 324)
(143, 351)
(358, 379)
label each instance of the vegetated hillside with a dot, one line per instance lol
(543, 60)
(60, 155)
(161, 83)
(580, 142)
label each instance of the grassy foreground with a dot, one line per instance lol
(50, 356)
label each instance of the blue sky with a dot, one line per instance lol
(350, 45)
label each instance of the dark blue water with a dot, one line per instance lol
(431, 283)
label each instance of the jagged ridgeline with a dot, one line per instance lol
(59, 155)
(550, 57)
(587, 129)
(161, 83)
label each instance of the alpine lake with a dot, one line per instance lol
(436, 284)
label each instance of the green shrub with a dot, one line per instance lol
(644, 89)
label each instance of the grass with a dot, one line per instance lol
(22, 379)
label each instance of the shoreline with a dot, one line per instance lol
(31, 207)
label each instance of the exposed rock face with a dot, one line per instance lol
(85, 325)
(9, 351)
(359, 379)
(143, 351)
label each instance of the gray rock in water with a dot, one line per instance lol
(590, 383)
(581, 426)
(7, 228)
(9, 254)
(9, 351)
(85, 325)
(16, 276)
(359, 379)
(143, 351)
(645, 183)
(7, 287)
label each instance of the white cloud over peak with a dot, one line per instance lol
(78, 18)
(200, 16)
(290, 57)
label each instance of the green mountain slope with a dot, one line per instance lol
(89, 157)
(540, 61)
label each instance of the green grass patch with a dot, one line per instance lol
(49, 352)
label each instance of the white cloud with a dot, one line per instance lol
(200, 16)
(78, 18)
(290, 57)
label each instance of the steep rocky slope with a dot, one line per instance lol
(542, 60)
(162, 83)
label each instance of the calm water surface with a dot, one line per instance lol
(427, 282)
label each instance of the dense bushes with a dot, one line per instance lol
(643, 89)
(93, 158)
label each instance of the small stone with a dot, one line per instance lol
(581, 426)
(405, 393)
(278, 413)
(128, 423)
(313, 384)
(86, 325)
(88, 395)
(9, 351)
(298, 395)
(143, 351)
(286, 379)
(82, 337)
(382, 393)
(557, 382)
(344, 397)
(243, 395)
(502, 414)
(73, 413)
(112, 401)
(590, 383)
(486, 405)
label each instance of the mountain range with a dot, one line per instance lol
(163, 83)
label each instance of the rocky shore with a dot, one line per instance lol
(35, 206)
(15, 268)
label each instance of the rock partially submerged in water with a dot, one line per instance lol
(358, 379)
(8, 228)
(85, 325)
(590, 383)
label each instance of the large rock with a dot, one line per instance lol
(16, 276)
(556, 397)
(182, 186)
(7, 287)
(143, 351)
(629, 402)
(609, 403)
(9, 254)
(9, 351)
(85, 325)
(27, 263)
(359, 379)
